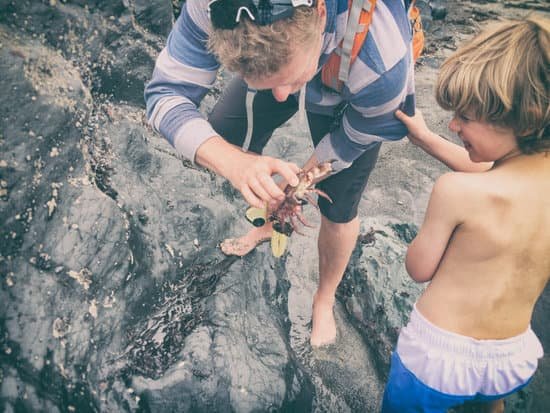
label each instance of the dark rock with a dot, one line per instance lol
(377, 291)
(439, 10)
(116, 58)
(156, 16)
(109, 8)
(113, 293)
(425, 13)
(101, 309)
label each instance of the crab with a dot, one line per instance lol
(285, 218)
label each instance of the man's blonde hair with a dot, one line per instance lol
(501, 77)
(255, 51)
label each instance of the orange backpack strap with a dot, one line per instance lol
(418, 32)
(336, 70)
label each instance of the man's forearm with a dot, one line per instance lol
(220, 156)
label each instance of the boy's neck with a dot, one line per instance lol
(510, 155)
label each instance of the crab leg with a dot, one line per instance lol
(303, 220)
(311, 200)
(288, 216)
(323, 194)
(294, 225)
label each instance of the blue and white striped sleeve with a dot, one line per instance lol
(381, 81)
(183, 74)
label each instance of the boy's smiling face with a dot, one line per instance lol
(485, 142)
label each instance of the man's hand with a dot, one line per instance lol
(253, 177)
(249, 173)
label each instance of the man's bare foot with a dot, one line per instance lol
(323, 330)
(243, 245)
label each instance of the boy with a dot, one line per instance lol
(484, 243)
(278, 48)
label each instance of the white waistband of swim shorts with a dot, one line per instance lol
(455, 364)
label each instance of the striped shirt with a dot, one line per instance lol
(380, 81)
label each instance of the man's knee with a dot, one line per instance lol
(338, 213)
(337, 227)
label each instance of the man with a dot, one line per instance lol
(278, 48)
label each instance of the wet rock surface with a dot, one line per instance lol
(114, 295)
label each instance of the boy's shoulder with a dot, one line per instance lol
(460, 183)
(462, 190)
(472, 192)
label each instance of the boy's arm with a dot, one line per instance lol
(451, 154)
(427, 249)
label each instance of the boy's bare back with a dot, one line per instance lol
(497, 261)
(484, 243)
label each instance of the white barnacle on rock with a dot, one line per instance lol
(60, 328)
(82, 277)
(51, 205)
(92, 309)
(54, 152)
(109, 301)
(169, 249)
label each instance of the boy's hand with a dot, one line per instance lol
(448, 152)
(418, 131)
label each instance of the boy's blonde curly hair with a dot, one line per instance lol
(501, 76)
(255, 51)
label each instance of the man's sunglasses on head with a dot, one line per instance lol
(226, 14)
